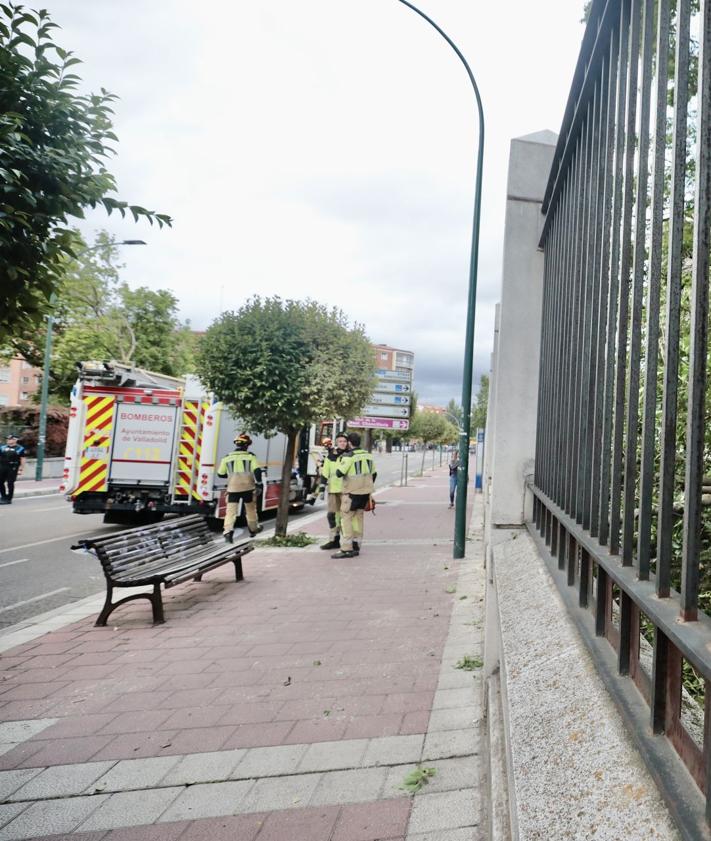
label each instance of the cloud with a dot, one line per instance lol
(325, 150)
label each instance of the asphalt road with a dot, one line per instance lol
(39, 571)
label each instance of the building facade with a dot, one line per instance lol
(19, 382)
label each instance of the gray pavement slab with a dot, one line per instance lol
(354, 786)
(62, 781)
(281, 793)
(209, 800)
(269, 761)
(204, 767)
(130, 774)
(394, 750)
(11, 781)
(448, 743)
(131, 808)
(50, 817)
(444, 810)
(329, 756)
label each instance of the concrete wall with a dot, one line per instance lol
(512, 436)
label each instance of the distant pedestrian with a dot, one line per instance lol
(357, 469)
(12, 465)
(453, 474)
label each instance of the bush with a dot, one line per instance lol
(25, 423)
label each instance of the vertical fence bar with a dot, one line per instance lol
(620, 102)
(665, 520)
(588, 280)
(698, 341)
(597, 444)
(625, 270)
(638, 277)
(597, 189)
(649, 424)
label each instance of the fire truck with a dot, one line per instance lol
(141, 445)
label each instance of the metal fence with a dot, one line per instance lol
(620, 498)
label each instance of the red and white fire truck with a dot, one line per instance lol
(141, 445)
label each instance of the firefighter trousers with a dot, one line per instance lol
(334, 514)
(351, 523)
(250, 509)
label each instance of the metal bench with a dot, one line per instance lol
(168, 553)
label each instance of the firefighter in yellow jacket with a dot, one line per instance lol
(243, 475)
(357, 469)
(334, 484)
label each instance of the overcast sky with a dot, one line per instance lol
(324, 149)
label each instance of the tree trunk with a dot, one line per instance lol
(424, 453)
(282, 519)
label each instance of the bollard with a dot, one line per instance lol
(406, 458)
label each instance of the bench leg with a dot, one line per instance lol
(106, 609)
(238, 569)
(157, 604)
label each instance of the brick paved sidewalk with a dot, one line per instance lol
(290, 706)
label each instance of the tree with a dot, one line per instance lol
(53, 146)
(99, 317)
(282, 365)
(482, 401)
(428, 427)
(454, 412)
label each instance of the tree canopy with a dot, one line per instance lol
(282, 365)
(54, 143)
(480, 407)
(97, 316)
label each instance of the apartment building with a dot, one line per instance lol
(19, 381)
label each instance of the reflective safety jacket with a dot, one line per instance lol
(329, 475)
(242, 470)
(357, 469)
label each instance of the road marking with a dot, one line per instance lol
(54, 508)
(12, 563)
(53, 540)
(33, 599)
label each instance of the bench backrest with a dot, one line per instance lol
(140, 547)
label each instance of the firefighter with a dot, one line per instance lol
(12, 464)
(334, 483)
(357, 469)
(244, 474)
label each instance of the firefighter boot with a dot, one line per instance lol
(333, 543)
(228, 537)
(344, 553)
(254, 532)
(356, 548)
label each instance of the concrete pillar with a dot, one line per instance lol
(512, 436)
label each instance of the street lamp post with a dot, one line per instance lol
(44, 394)
(460, 514)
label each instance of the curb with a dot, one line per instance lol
(38, 492)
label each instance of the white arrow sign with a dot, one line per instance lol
(387, 411)
(391, 399)
(388, 387)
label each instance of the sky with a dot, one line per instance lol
(323, 149)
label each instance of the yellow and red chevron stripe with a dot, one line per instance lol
(198, 449)
(98, 424)
(186, 447)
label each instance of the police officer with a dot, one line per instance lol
(243, 475)
(12, 464)
(357, 469)
(334, 483)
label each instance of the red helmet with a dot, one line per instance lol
(243, 439)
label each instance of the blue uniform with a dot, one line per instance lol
(11, 457)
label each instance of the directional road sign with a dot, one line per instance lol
(397, 388)
(379, 423)
(390, 399)
(387, 411)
